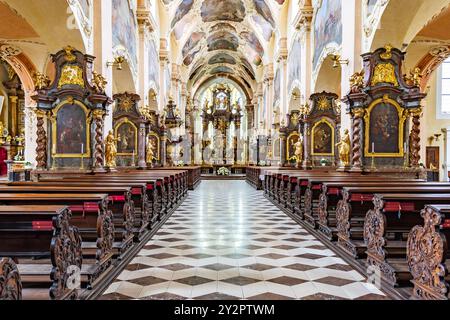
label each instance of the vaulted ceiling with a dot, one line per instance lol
(223, 37)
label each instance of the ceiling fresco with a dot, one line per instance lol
(229, 35)
(222, 58)
(223, 40)
(228, 10)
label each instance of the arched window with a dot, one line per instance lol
(443, 90)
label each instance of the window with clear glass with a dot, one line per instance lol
(444, 90)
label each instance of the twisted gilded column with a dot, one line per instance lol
(41, 148)
(98, 148)
(415, 137)
(357, 123)
(141, 146)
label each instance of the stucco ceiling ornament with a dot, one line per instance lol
(9, 50)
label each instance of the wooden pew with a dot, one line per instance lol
(332, 193)
(356, 202)
(313, 192)
(45, 245)
(146, 201)
(121, 200)
(428, 254)
(90, 213)
(386, 229)
(10, 282)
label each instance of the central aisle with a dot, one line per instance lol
(226, 241)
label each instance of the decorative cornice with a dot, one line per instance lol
(304, 18)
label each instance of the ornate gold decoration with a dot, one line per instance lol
(40, 80)
(110, 150)
(358, 112)
(71, 75)
(402, 115)
(99, 82)
(384, 73)
(344, 149)
(332, 137)
(357, 81)
(87, 146)
(388, 52)
(299, 151)
(150, 151)
(294, 119)
(156, 150)
(323, 104)
(118, 138)
(69, 56)
(290, 142)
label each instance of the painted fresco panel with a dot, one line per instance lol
(327, 27)
(294, 63)
(124, 29)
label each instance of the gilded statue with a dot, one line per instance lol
(269, 155)
(150, 151)
(299, 151)
(40, 80)
(98, 82)
(414, 78)
(344, 149)
(357, 82)
(110, 150)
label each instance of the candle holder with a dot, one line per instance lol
(82, 162)
(54, 163)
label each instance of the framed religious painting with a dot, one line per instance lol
(290, 146)
(126, 134)
(432, 158)
(322, 136)
(70, 130)
(384, 121)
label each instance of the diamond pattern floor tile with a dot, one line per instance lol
(227, 242)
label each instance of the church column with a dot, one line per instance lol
(145, 29)
(415, 138)
(141, 146)
(102, 34)
(307, 163)
(303, 24)
(282, 65)
(98, 159)
(357, 127)
(268, 81)
(163, 61)
(351, 50)
(283, 148)
(41, 141)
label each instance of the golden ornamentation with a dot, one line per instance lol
(40, 80)
(10, 70)
(71, 75)
(388, 52)
(358, 112)
(40, 113)
(384, 73)
(69, 56)
(357, 81)
(126, 104)
(313, 130)
(110, 150)
(416, 76)
(402, 115)
(98, 113)
(323, 104)
(99, 82)
(344, 149)
(150, 151)
(416, 112)
(299, 151)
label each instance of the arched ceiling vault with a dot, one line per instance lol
(223, 37)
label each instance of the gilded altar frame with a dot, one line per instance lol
(158, 144)
(288, 146)
(402, 115)
(87, 143)
(328, 123)
(121, 122)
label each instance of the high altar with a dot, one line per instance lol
(223, 147)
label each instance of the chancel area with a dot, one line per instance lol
(224, 149)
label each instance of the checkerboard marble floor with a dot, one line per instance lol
(227, 242)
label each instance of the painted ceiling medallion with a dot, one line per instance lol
(228, 10)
